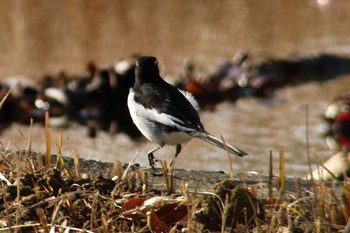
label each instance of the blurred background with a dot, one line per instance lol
(46, 38)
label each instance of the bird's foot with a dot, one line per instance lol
(152, 162)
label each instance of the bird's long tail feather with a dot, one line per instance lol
(219, 143)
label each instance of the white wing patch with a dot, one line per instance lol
(189, 96)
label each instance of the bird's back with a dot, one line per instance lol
(169, 100)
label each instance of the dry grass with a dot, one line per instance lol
(37, 196)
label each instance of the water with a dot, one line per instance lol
(64, 35)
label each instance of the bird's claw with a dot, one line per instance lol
(152, 162)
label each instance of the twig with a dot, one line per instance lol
(270, 176)
(129, 165)
(282, 172)
(3, 178)
(168, 175)
(48, 140)
(7, 94)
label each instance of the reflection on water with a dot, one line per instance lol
(64, 35)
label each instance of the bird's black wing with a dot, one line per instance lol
(167, 99)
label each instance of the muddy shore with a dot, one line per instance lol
(95, 196)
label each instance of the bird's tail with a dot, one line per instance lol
(219, 143)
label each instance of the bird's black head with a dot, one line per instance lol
(147, 69)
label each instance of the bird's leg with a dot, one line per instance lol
(177, 152)
(151, 159)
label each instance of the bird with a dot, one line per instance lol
(164, 114)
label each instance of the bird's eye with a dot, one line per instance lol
(156, 62)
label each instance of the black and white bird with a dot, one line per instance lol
(165, 115)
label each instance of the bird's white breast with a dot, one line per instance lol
(146, 119)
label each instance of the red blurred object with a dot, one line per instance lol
(341, 129)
